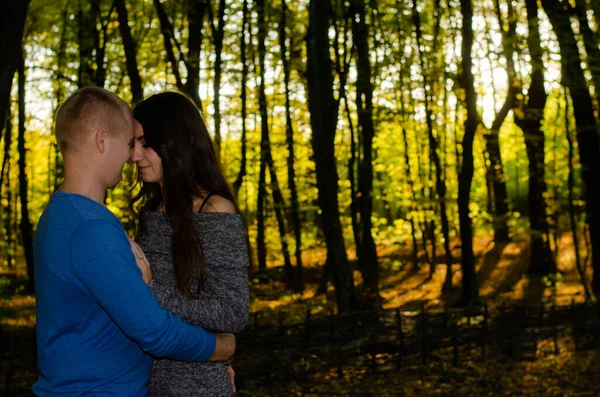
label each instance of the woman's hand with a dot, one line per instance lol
(142, 261)
(231, 374)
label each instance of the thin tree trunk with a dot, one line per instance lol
(295, 210)
(7, 144)
(8, 219)
(242, 172)
(342, 65)
(196, 12)
(356, 231)
(469, 292)
(137, 90)
(528, 116)
(102, 39)
(587, 128)
(323, 109)
(440, 183)
(89, 41)
(368, 262)
(261, 248)
(5, 172)
(265, 145)
(591, 46)
(194, 43)
(61, 60)
(12, 18)
(279, 205)
(25, 225)
(401, 37)
(218, 33)
(572, 218)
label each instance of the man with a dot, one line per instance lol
(96, 317)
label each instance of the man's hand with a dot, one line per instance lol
(142, 261)
(225, 347)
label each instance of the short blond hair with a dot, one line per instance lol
(87, 110)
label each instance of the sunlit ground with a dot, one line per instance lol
(502, 274)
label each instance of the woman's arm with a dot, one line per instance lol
(224, 309)
(224, 306)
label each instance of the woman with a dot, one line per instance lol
(192, 234)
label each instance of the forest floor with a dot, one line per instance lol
(502, 277)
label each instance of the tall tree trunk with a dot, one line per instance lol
(265, 142)
(7, 144)
(368, 262)
(137, 91)
(8, 219)
(492, 136)
(528, 116)
(261, 247)
(25, 225)
(218, 33)
(591, 46)
(401, 36)
(356, 231)
(572, 217)
(469, 292)
(61, 59)
(242, 172)
(587, 129)
(89, 41)
(12, 19)
(323, 109)
(440, 183)
(5, 176)
(196, 12)
(289, 135)
(166, 29)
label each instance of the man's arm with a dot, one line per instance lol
(103, 261)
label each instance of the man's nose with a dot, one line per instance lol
(135, 154)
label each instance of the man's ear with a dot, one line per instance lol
(101, 139)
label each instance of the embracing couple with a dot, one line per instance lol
(155, 316)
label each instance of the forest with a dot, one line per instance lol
(386, 154)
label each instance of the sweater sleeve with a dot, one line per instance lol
(102, 259)
(223, 309)
(224, 306)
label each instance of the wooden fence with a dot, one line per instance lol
(373, 340)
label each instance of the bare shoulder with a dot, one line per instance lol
(217, 203)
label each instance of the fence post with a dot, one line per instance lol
(455, 344)
(280, 328)
(307, 325)
(446, 315)
(424, 332)
(400, 336)
(555, 327)
(586, 328)
(484, 329)
(255, 328)
(537, 330)
(339, 361)
(597, 325)
(574, 322)
(373, 352)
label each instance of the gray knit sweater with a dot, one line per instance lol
(224, 308)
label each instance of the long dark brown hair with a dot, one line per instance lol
(175, 129)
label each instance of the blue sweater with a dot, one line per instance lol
(96, 318)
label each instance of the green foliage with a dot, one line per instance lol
(401, 191)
